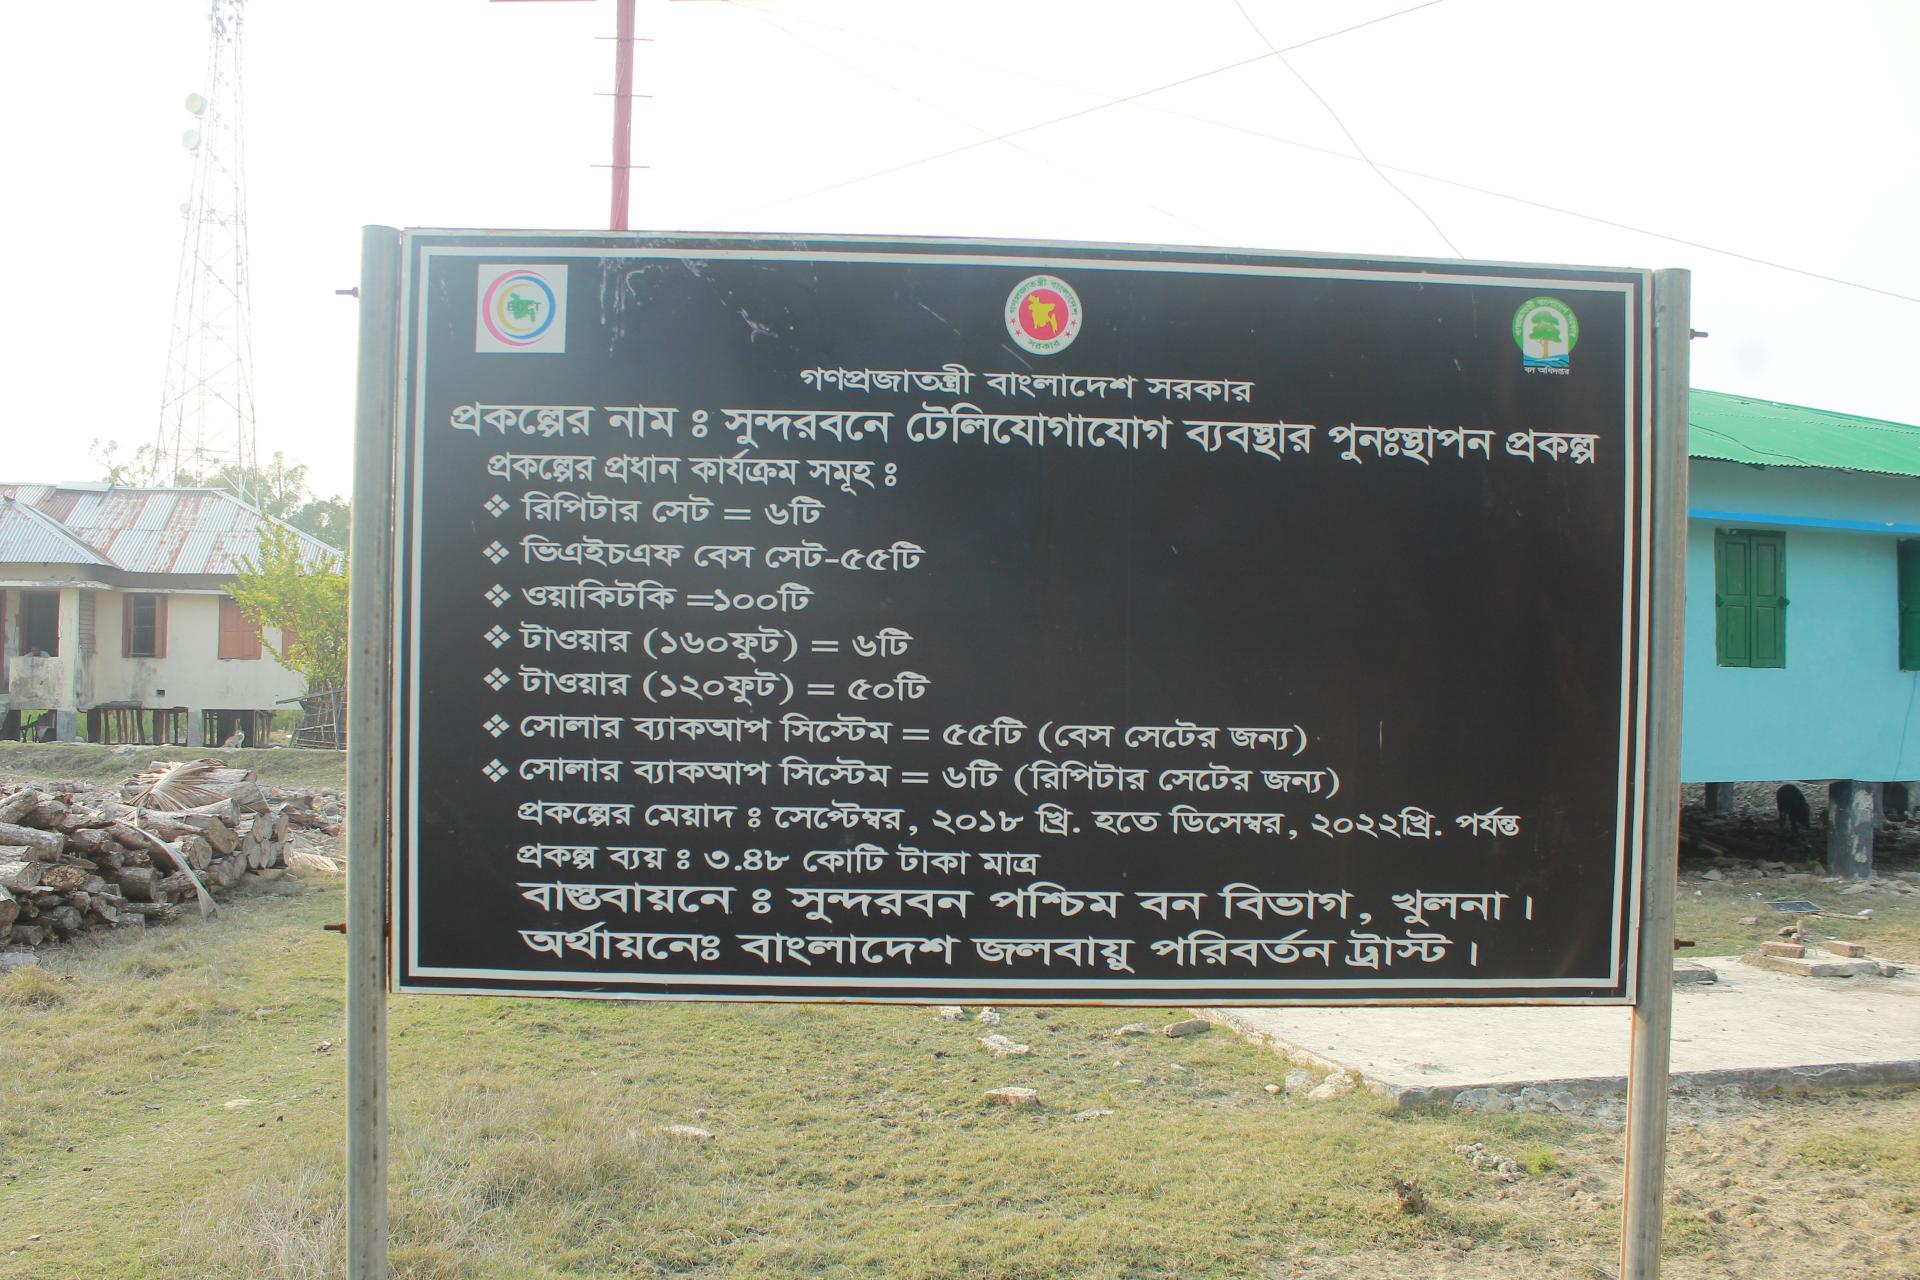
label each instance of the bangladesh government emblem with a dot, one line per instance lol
(1043, 315)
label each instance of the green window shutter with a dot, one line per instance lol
(1732, 599)
(1769, 583)
(1750, 598)
(1910, 606)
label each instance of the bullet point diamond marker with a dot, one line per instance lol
(498, 506)
(495, 552)
(498, 595)
(494, 771)
(497, 679)
(496, 726)
(497, 635)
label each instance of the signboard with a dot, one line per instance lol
(968, 622)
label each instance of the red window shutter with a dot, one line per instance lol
(239, 637)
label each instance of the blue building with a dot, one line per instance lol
(1803, 602)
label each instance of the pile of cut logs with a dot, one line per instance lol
(74, 857)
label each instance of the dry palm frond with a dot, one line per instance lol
(179, 787)
(1410, 1194)
(154, 844)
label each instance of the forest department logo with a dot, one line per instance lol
(1545, 330)
(1043, 315)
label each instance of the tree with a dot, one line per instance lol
(306, 598)
(277, 489)
(327, 519)
(134, 470)
(1546, 329)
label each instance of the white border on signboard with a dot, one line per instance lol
(1636, 469)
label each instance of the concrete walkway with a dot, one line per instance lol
(1752, 1027)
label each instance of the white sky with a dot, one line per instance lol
(1777, 131)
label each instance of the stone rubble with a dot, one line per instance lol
(1501, 1167)
(1014, 1096)
(1334, 1086)
(691, 1132)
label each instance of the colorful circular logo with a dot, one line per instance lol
(1043, 315)
(518, 308)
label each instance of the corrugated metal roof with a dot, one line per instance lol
(27, 536)
(197, 532)
(1730, 428)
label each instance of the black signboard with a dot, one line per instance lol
(972, 622)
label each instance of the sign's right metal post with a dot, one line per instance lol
(1640, 1222)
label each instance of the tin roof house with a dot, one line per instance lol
(1803, 604)
(115, 624)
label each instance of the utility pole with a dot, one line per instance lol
(622, 114)
(623, 96)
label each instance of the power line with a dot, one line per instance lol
(1138, 98)
(1562, 210)
(957, 118)
(1075, 115)
(1328, 106)
(1657, 235)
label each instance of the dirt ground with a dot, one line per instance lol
(1825, 1186)
(1732, 865)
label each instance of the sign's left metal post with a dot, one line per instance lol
(369, 724)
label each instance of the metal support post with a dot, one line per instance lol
(369, 695)
(1640, 1224)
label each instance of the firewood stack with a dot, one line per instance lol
(73, 857)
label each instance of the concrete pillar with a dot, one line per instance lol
(66, 726)
(1719, 797)
(1850, 828)
(196, 727)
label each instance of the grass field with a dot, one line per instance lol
(88, 762)
(171, 1106)
(173, 1109)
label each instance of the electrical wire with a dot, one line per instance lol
(1328, 107)
(1542, 205)
(937, 109)
(1139, 99)
(1075, 115)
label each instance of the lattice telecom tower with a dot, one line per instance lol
(206, 410)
